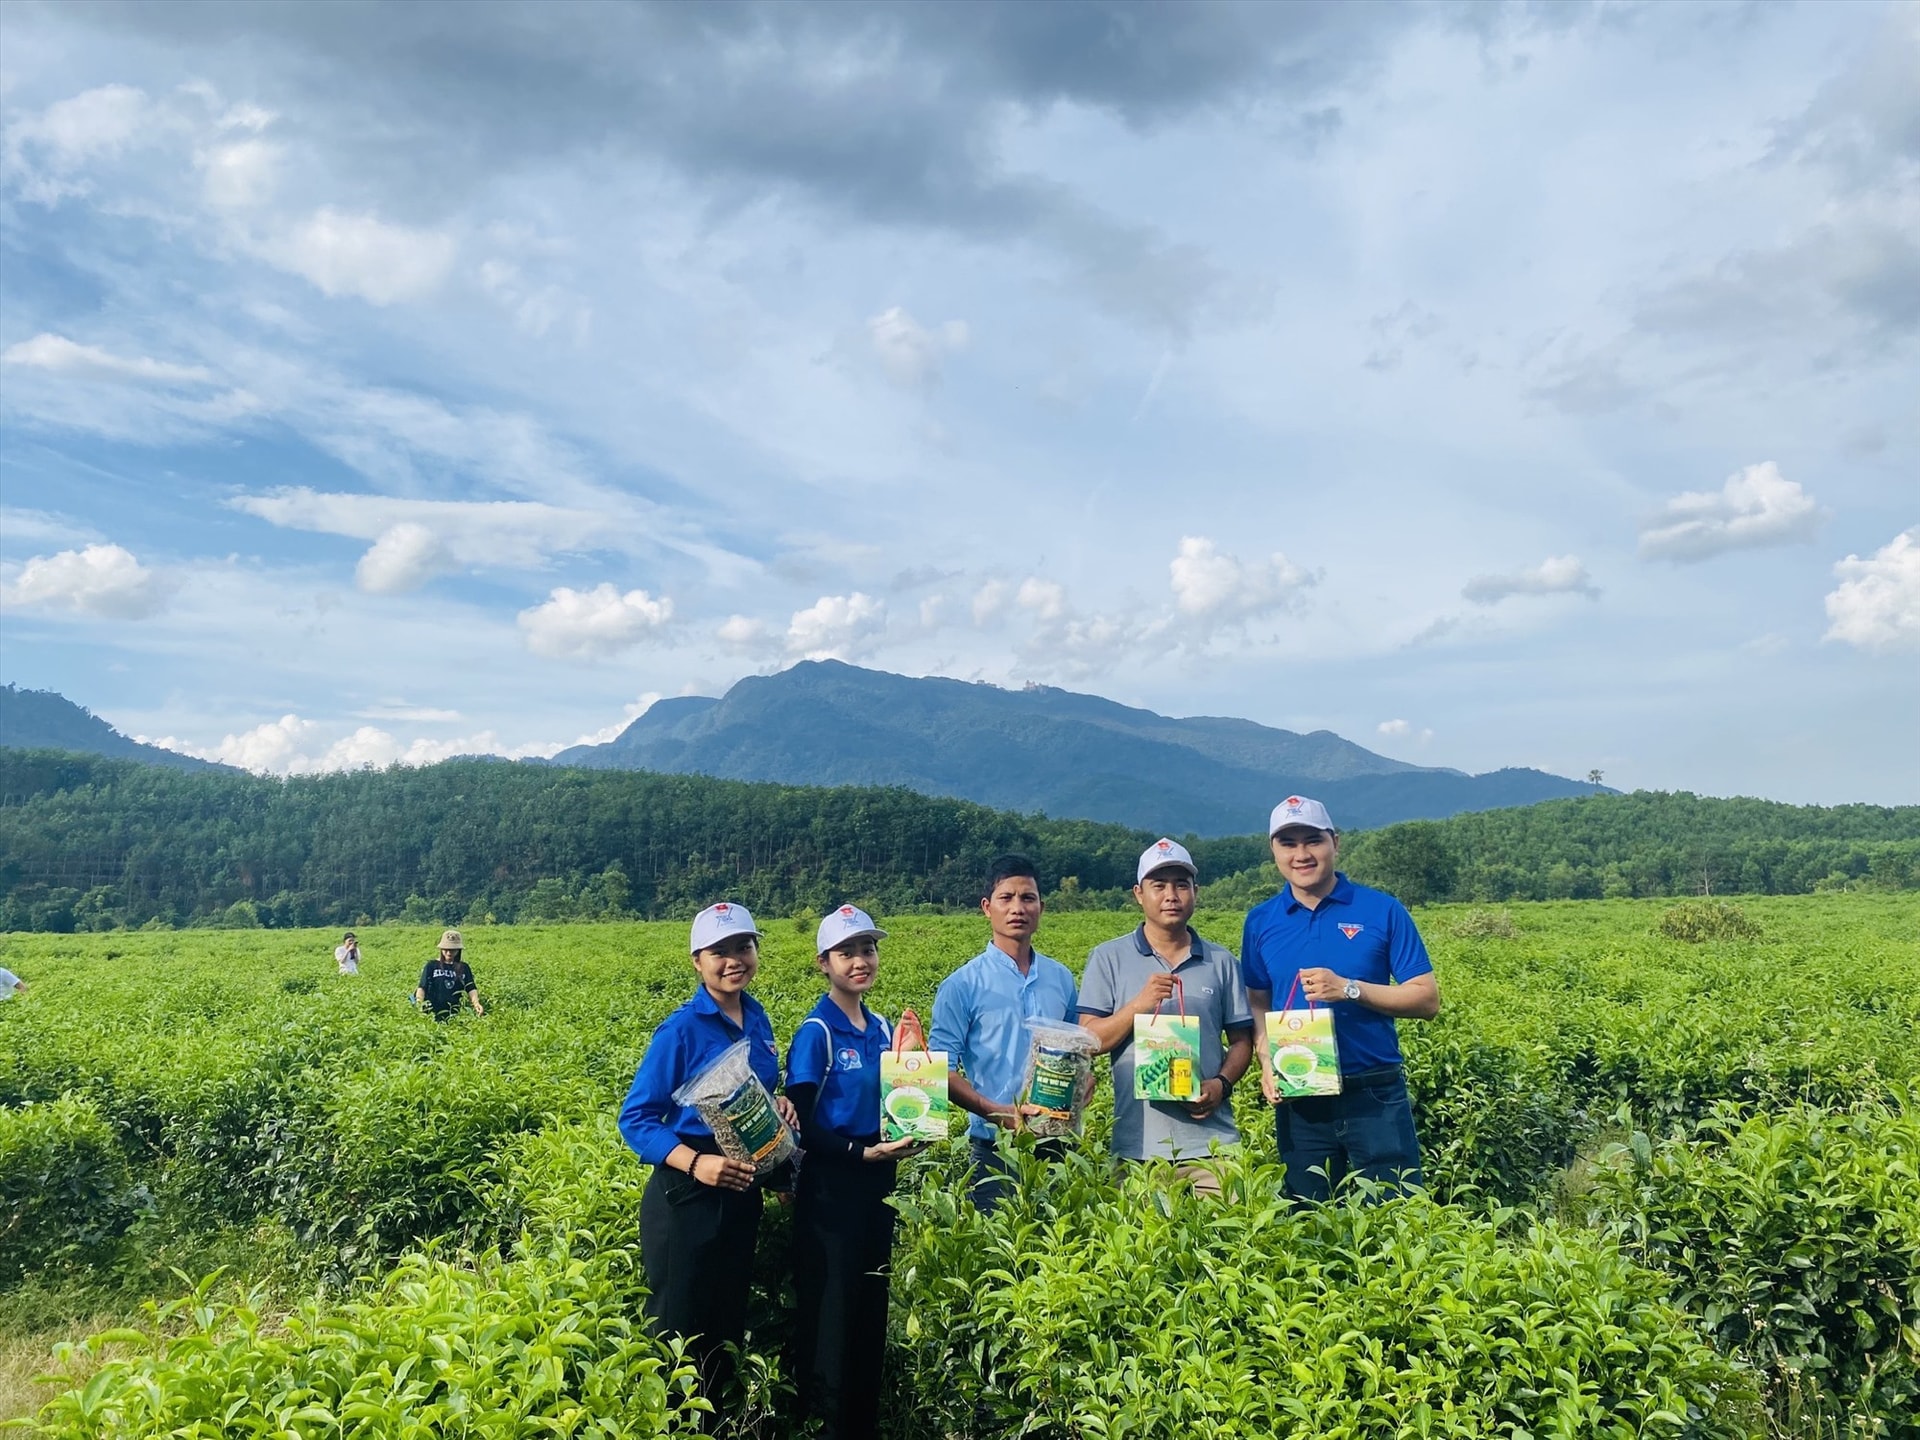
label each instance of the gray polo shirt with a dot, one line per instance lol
(1215, 995)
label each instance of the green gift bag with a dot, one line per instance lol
(914, 1103)
(1302, 1050)
(1166, 1053)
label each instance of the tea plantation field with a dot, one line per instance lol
(1675, 1192)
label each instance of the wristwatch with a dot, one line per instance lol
(1352, 991)
(1226, 1087)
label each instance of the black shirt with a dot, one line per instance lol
(444, 981)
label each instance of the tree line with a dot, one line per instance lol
(88, 843)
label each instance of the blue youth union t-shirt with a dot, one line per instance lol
(1356, 932)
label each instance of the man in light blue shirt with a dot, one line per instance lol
(980, 1015)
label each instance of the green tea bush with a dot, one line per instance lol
(65, 1194)
(1485, 925)
(1796, 1237)
(1698, 921)
(1089, 1309)
(485, 1348)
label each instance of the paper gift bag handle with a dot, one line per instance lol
(909, 1025)
(1293, 990)
(1179, 990)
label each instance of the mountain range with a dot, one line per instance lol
(47, 720)
(1037, 749)
(1040, 749)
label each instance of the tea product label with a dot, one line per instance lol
(1166, 1057)
(914, 1104)
(749, 1110)
(1300, 1044)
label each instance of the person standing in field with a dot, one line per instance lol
(10, 984)
(1356, 950)
(980, 1015)
(446, 978)
(347, 955)
(843, 1226)
(1163, 963)
(700, 1212)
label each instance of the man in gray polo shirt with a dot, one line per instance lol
(1134, 975)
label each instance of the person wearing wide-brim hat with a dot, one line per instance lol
(700, 1212)
(446, 978)
(842, 1224)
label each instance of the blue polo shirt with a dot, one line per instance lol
(845, 1063)
(980, 1015)
(687, 1041)
(1359, 934)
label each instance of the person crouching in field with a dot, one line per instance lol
(445, 979)
(843, 1226)
(700, 1212)
(1165, 967)
(1356, 951)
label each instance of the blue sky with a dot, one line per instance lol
(1502, 385)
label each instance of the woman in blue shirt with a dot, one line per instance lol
(842, 1224)
(700, 1213)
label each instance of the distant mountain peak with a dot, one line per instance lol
(47, 720)
(1039, 748)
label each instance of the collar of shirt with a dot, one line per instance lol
(705, 1004)
(1341, 894)
(1196, 947)
(834, 1018)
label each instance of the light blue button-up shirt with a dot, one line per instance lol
(980, 1015)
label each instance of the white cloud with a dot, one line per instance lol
(67, 357)
(909, 353)
(1757, 506)
(1403, 730)
(1047, 599)
(400, 711)
(990, 602)
(363, 255)
(104, 581)
(512, 534)
(1215, 587)
(404, 558)
(1877, 603)
(288, 746)
(94, 122)
(19, 525)
(1556, 575)
(593, 624)
(837, 627)
(240, 174)
(743, 632)
(628, 715)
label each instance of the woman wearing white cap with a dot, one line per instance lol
(842, 1224)
(700, 1214)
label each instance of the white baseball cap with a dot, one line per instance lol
(849, 922)
(1163, 854)
(721, 922)
(1298, 810)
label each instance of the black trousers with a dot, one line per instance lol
(696, 1245)
(842, 1249)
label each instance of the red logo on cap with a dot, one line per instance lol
(1163, 845)
(847, 910)
(1293, 802)
(1351, 930)
(722, 908)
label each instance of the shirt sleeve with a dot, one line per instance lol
(425, 971)
(807, 1056)
(649, 1103)
(1239, 1008)
(1253, 965)
(950, 1020)
(1406, 951)
(1097, 995)
(466, 980)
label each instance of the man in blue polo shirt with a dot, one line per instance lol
(980, 1015)
(1357, 951)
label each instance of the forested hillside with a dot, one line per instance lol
(88, 843)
